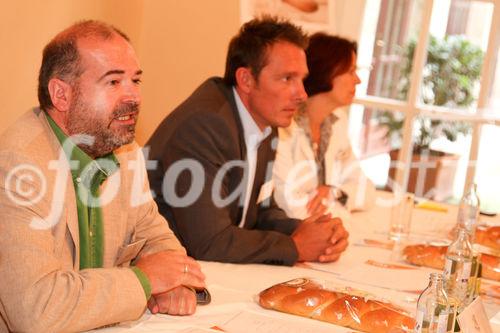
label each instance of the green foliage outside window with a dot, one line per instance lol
(450, 78)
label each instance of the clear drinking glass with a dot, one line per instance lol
(401, 213)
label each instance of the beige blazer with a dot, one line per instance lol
(41, 286)
(295, 172)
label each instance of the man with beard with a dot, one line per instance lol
(82, 242)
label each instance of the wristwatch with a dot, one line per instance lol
(339, 195)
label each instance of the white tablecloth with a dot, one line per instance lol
(234, 287)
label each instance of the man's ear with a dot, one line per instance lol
(244, 79)
(60, 94)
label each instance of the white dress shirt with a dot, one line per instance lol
(253, 137)
(295, 171)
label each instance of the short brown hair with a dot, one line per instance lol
(61, 57)
(248, 48)
(327, 57)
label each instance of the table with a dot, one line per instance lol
(234, 288)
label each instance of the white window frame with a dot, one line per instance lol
(412, 108)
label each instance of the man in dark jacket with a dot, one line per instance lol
(215, 154)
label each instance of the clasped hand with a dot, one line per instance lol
(320, 238)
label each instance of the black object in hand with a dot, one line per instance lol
(203, 296)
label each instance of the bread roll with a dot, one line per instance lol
(307, 298)
(489, 237)
(425, 255)
(433, 256)
(380, 320)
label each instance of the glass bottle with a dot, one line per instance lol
(475, 280)
(458, 268)
(435, 312)
(468, 219)
(468, 212)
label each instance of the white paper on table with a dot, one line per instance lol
(250, 322)
(349, 268)
(205, 318)
(197, 330)
(473, 318)
(406, 280)
(496, 319)
(409, 281)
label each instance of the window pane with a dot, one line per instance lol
(494, 101)
(457, 42)
(488, 169)
(384, 43)
(374, 142)
(440, 157)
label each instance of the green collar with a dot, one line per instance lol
(87, 169)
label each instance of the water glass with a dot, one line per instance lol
(401, 213)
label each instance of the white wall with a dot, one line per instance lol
(25, 27)
(182, 43)
(348, 18)
(179, 44)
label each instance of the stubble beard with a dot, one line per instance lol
(100, 138)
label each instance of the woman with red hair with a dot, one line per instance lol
(315, 169)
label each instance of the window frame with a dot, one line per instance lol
(413, 108)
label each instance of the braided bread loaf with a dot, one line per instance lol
(433, 256)
(307, 298)
(489, 237)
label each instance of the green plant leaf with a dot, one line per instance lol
(450, 76)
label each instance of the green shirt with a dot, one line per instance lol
(88, 175)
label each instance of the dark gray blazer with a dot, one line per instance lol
(206, 128)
